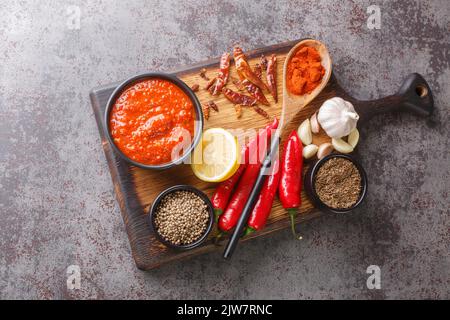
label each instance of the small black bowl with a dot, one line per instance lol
(188, 91)
(310, 190)
(155, 204)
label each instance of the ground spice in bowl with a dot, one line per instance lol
(181, 218)
(338, 183)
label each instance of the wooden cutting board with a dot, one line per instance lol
(136, 188)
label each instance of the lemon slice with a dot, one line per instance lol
(216, 157)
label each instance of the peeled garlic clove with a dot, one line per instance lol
(309, 151)
(304, 132)
(324, 150)
(353, 138)
(315, 127)
(341, 146)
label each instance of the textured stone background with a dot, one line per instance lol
(57, 201)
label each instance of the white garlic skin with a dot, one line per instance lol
(337, 117)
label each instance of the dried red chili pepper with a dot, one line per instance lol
(238, 110)
(206, 109)
(244, 70)
(263, 61)
(291, 177)
(271, 72)
(229, 218)
(252, 81)
(203, 74)
(195, 87)
(261, 112)
(255, 92)
(263, 206)
(213, 106)
(258, 71)
(238, 98)
(238, 84)
(210, 83)
(222, 75)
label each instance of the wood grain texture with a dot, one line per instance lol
(136, 188)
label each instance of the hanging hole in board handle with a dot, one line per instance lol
(421, 91)
(416, 96)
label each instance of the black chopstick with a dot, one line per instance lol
(237, 233)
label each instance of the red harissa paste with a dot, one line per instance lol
(147, 119)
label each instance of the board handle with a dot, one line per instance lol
(414, 96)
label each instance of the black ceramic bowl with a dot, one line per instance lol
(188, 91)
(155, 204)
(310, 176)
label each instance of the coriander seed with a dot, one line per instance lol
(181, 217)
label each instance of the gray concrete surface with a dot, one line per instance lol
(57, 202)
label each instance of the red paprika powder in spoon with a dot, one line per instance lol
(304, 71)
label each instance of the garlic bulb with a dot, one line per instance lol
(337, 117)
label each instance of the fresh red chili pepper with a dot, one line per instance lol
(291, 177)
(223, 191)
(225, 188)
(229, 218)
(263, 205)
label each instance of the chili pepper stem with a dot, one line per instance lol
(218, 237)
(292, 214)
(248, 231)
(217, 213)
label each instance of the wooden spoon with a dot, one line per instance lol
(291, 105)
